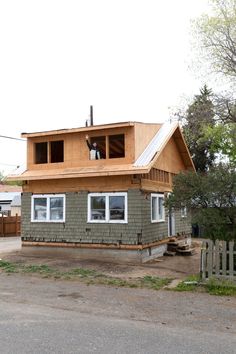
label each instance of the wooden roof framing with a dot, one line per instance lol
(157, 140)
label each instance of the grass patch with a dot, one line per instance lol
(87, 276)
(221, 287)
(191, 283)
(154, 282)
(83, 273)
(41, 269)
(212, 286)
(8, 267)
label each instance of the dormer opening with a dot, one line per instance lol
(41, 152)
(57, 151)
(116, 146)
(49, 152)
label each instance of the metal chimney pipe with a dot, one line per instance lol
(91, 115)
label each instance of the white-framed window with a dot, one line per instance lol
(157, 207)
(48, 208)
(183, 212)
(107, 207)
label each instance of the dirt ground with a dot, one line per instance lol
(177, 267)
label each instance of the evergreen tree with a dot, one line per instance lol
(200, 115)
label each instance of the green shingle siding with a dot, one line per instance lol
(139, 228)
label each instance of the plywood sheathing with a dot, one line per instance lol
(143, 134)
(174, 155)
(92, 128)
(93, 184)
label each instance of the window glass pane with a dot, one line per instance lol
(160, 208)
(56, 208)
(117, 208)
(40, 208)
(98, 208)
(154, 208)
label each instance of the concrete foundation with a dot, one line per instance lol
(128, 256)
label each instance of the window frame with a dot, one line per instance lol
(47, 197)
(107, 207)
(158, 196)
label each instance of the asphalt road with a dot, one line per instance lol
(46, 316)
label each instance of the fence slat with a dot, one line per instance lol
(231, 258)
(217, 257)
(203, 260)
(224, 258)
(209, 258)
(10, 225)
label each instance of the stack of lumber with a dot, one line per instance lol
(179, 246)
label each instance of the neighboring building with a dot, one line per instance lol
(113, 204)
(7, 194)
(16, 205)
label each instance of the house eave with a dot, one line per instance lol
(78, 130)
(45, 175)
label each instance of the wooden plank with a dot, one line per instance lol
(224, 258)
(154, 186)
(231, 259)
(78, 130)
(143, 135)
(210, 258)
(93, 245)
(3, 226)
(217, 258)
(203, 259)
(99, 184)
(170, 159)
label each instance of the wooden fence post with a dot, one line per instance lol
(16, 225)
(2, 225)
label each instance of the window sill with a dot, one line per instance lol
(48, 221)
(107, 222)
(157, 221)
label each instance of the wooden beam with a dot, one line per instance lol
(77, 130)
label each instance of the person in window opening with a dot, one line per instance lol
(93, 148)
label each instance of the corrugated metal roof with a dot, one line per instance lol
(156, 144)
(16, 201)
(8, 196)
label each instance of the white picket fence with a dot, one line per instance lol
(218, 259)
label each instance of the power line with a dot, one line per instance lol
(7, 164)
(11, 137)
